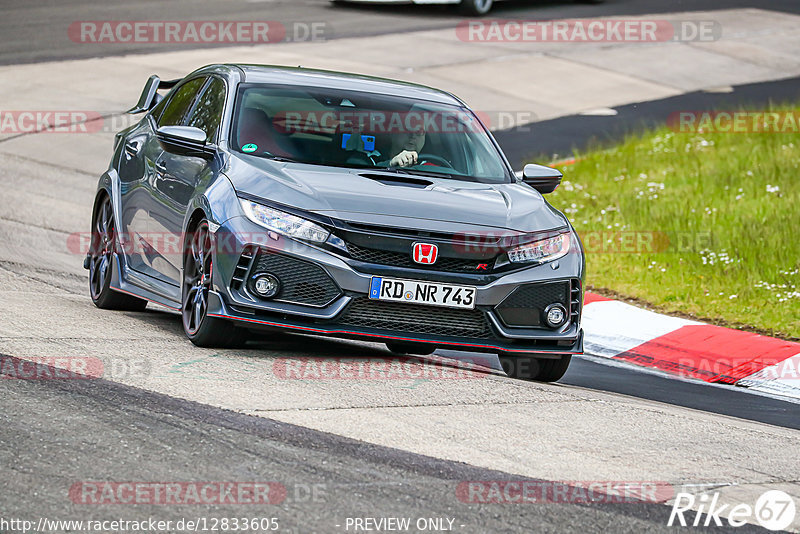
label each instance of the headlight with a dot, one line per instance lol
(541, 251)
(284, 223)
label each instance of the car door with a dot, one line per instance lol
(180, 176)
(150, 243)
(136, 168)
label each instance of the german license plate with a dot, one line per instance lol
(418, 292)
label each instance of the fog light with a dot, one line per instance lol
(555, 315)
(266, 285)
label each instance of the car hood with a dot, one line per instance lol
(346, 194)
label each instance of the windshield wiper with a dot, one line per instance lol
(281, 158)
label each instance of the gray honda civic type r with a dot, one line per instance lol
(265, 198)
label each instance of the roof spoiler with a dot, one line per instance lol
(149, 97)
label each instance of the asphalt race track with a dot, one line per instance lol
(328, 477)
(165, 411)
(556, 138)
(28, 37)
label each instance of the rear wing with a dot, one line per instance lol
(150, 97)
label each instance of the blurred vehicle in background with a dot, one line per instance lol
(468, 7)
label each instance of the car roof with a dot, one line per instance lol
(338, 80)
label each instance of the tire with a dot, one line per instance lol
(202, 330)
(475, 7)
(419, 349)
(525, 367)
(101, 258)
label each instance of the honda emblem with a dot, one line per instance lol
(425, 253)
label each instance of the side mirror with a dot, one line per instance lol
(543, 179)
(185, 141)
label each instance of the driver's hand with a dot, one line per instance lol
(404, 158)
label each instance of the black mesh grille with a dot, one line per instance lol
(398, 259)
(415, 319)
(524, 306)
(301, 282)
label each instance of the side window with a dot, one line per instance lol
(179, 103)
(207, 113)
(159, 108)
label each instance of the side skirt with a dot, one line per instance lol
(142, 286)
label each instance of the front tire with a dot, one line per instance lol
(525, 367)
(101, 260)
(198, 270)
(475, 7)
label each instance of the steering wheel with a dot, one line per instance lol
(433, 158)
(359, 158)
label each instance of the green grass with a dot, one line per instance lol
(729, 206)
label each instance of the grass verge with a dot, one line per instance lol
(701, 224)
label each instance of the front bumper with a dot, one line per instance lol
(341, 308)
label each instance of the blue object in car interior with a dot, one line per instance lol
(368, 140)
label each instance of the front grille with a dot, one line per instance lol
(524, 306)
(415, 319)
(302, 282)
(398, 259)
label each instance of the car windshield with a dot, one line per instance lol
(365, 130)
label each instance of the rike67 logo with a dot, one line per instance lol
(773, 510)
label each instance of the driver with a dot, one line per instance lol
(407, 147)
(404, 147)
